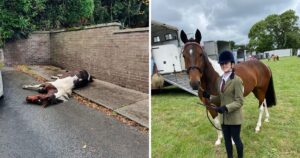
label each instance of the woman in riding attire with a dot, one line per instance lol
(230, 89)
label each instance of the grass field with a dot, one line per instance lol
(180, 127)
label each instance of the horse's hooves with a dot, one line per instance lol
(267, 120)
(218, 142)
(257, 130)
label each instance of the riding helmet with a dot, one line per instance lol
(226, 56)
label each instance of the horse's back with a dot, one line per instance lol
(252, 66)
(254, 74)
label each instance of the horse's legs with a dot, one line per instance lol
(33, 87)
(267, 111)
(258, 125)
(54, 77)
(220, 134)
(260, 95)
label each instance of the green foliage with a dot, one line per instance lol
(275, 32)
(20, 17)
(50, 16)
(101, 13)
(78, 12)
(131, 13)
(15, 19)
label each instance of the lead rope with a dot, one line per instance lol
(212, 107)
(209, 118)
(211, 121)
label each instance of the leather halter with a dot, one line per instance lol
(193, 66)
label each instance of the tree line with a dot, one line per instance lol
(275, 32)
(20, 17)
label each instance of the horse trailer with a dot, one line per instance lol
(214, 48)
(240, 55)
(167, 59)
(168, 62)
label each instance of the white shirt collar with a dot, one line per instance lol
(225, 76)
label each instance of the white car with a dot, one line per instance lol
(1, 85)
(298, 53)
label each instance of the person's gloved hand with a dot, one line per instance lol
(206, 95)
(221, 109)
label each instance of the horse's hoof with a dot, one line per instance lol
(267, 120)
(24, 86)
(257, 130)
(218, 142)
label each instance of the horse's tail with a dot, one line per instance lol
(270, 94)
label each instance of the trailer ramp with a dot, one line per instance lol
(180, 80)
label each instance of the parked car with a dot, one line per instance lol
(1, 85)
(298, 53)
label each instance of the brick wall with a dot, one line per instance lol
(110, 54)
(34, 50)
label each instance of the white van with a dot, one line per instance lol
(1, 85)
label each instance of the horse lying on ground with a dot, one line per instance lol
(59, 90)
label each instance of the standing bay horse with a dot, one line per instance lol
(59, 90)
(274, 57)
(204, 73)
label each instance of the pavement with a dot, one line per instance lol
(68, 129)
(126, 102)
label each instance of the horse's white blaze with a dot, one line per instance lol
(191, 51)
(64, 87)
(220, 135)
(216, 66)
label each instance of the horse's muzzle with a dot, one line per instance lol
(195, 85)
(34, 99)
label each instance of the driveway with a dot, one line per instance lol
(68, 129)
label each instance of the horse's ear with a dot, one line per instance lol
(183, 36)
(198, 36)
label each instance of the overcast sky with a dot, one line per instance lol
(219, 19)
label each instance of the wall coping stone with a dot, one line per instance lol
(87, 27)
(131, 30)
(41, 32)
(142, 29)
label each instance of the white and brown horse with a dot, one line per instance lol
(59, 90)
(204, 72)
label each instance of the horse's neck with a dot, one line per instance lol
(211, 74)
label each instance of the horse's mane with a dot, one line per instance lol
(212, 62)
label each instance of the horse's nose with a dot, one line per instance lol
(195, 85)
(29, 99)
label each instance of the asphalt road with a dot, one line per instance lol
(65, 130)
